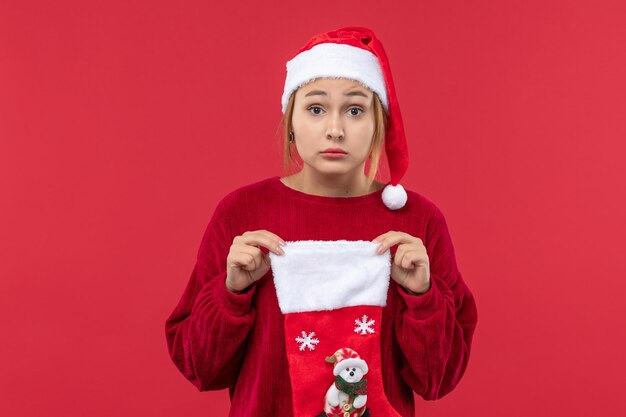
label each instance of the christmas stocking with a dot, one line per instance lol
(332, 294)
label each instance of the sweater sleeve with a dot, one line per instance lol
(434, 330)
(207, 331)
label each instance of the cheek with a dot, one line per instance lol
(364, 130)
(364, 137)
(305, 127)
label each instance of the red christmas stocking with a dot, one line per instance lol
(332, 294)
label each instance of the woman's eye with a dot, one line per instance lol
(315, 109)
(355, 111)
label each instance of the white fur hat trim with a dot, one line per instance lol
(334, 60)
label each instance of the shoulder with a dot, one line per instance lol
(422, 203)
(421, 206)
(236, 207)
(244, 195)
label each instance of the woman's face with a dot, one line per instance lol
(333, 113)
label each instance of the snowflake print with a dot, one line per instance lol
(363, 326)
(307, 341)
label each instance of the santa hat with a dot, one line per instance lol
(355, 53)
(345, 358)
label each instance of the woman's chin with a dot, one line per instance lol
(332, 172)
(331, 168)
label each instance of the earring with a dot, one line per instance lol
(292, 138)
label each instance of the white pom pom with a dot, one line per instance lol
(394, 196)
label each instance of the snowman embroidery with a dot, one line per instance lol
(347, 395)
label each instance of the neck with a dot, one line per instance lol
(332, 185)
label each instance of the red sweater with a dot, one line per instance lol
(219, 339)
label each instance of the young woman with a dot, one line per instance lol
(228, 330)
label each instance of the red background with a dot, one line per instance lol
(122, 124)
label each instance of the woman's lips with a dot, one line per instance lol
(334, 155)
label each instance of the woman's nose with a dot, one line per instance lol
(335, 128)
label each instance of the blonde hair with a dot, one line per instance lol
(376, 147)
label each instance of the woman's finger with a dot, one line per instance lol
(392, 239)
(242, 260)
(267, 240)
(254, 251)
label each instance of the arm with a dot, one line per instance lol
(207, 330)
(434, 330)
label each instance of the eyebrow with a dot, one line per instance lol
(323, 93)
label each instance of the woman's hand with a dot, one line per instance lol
(246, 263)
(410, 266)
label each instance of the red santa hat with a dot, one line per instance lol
(355, 53)
(345, 358)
